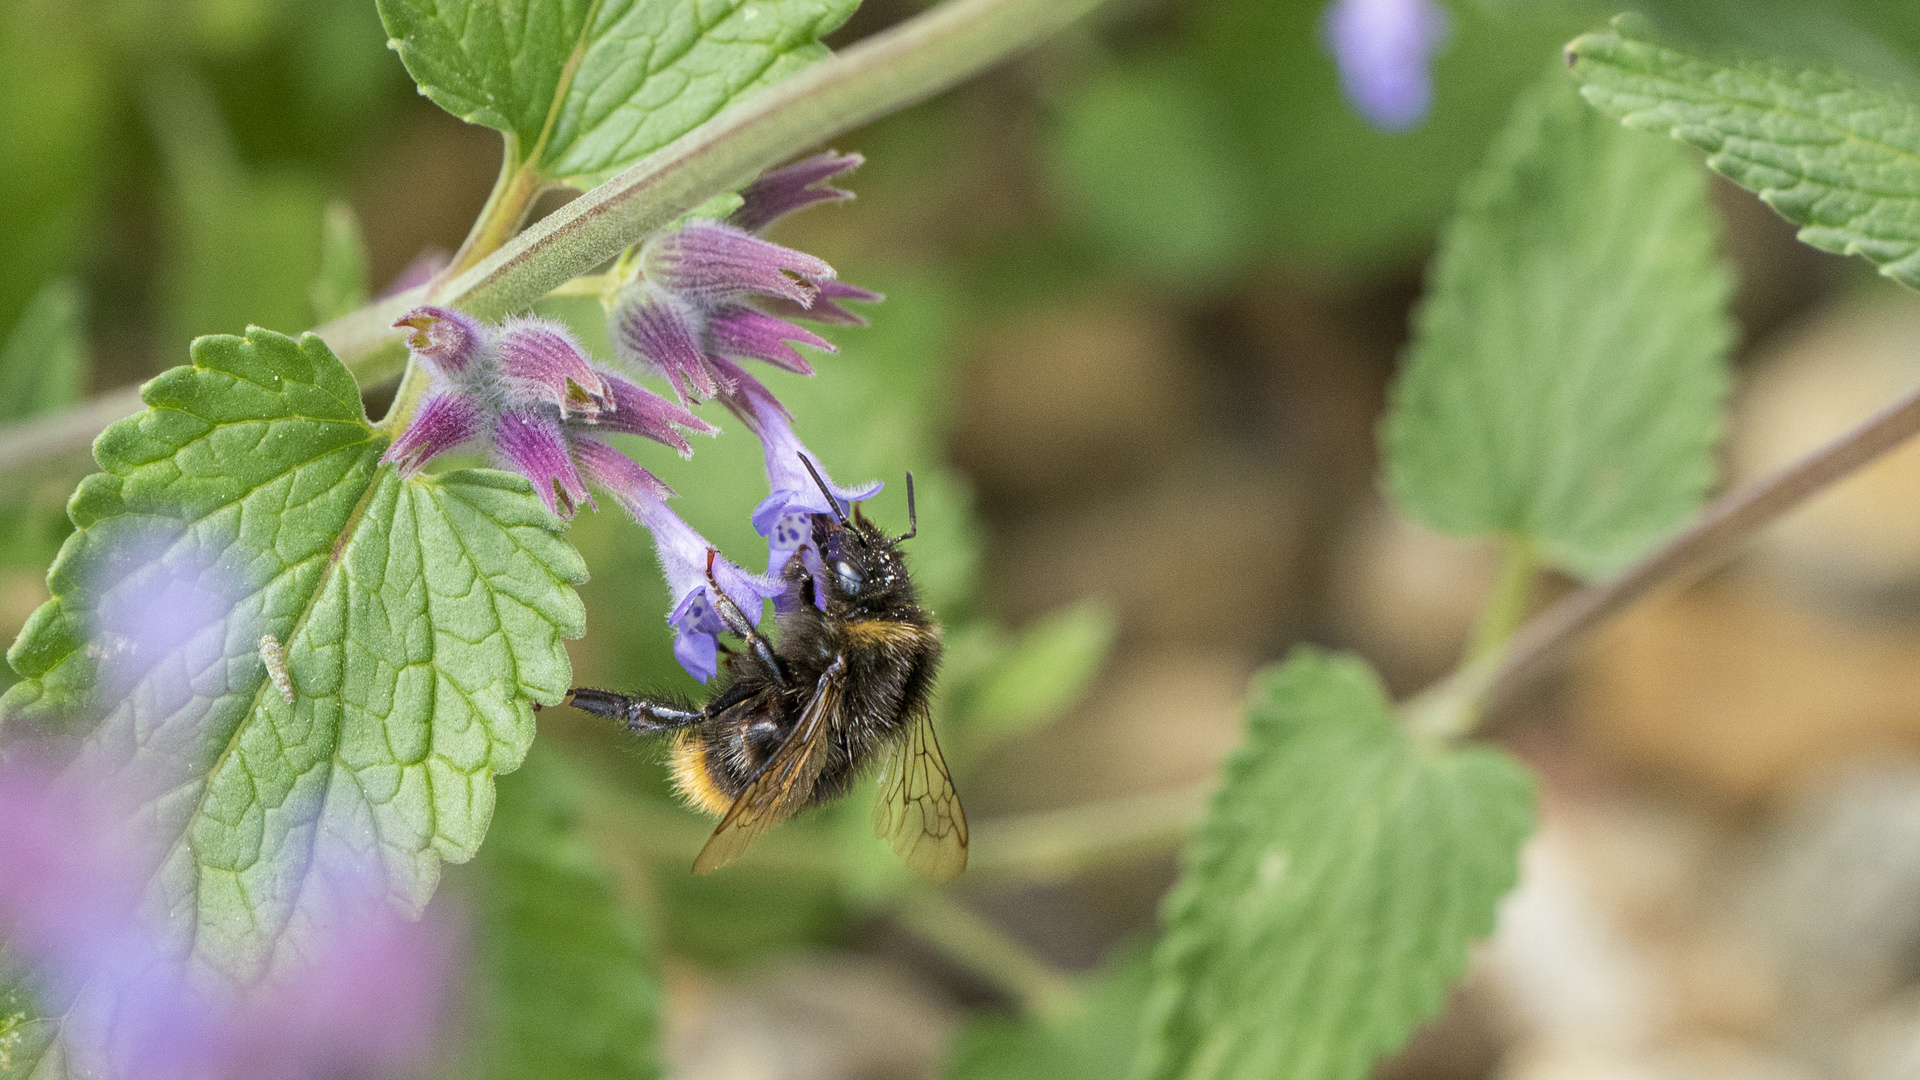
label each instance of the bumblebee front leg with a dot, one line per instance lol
(642, 716)
(738, 623)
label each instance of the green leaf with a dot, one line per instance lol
(43, 363)
(1330, 896)
(566, 981)
(418, 618)
(1832, 152)
(584, 88)
(341, 285)
(25, 1036)
(1567, 370)
(1041, 674)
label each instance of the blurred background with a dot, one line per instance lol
(1146, 288)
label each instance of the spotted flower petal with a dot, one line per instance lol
(710, 261)
(535, 446)
(742, 331)
(541, 361)
(795, 187)
(655, 331)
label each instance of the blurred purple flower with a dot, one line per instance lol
(1385, 51)
(365, 996)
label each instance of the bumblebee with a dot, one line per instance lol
(797, 721)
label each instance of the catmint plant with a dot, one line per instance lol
(288, 650)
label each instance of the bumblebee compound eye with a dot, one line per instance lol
(851, 580)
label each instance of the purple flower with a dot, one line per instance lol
(711, 261)
(785, 516)
(693, 565)
(690, 308)
(364, 996)
(1385, 51)
(796, 187)
(525, 392)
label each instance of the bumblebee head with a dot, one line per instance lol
(862, 566)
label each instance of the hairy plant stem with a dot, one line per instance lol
(979, 946)
(875, 76)
(1454, 706)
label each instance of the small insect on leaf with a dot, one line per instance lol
(275, 657)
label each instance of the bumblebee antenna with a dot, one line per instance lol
(831, 501)
(913, 519)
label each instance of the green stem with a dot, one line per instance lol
(1507, 604)
(979, 946)
(512, 197)
(1445, 717)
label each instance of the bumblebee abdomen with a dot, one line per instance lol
(693, 775)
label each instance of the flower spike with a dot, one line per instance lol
(657, 331)
(445, 422)
(825, 309)
(449, 340)
(535, 446)
(692, 565)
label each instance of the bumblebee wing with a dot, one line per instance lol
(918, 812)
(784, 783)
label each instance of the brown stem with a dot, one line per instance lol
(1447, 707)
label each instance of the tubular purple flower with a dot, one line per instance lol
(1385, 51)
(444, 423)
(795, 187)
(684, 556)
(542, 362)
(783, 517)
(739, 330)
(655, 331)
(710, 261)
(535, 446)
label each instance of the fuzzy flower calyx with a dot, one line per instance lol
(526, 393)
(712, 291)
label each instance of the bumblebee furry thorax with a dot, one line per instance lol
(796, 722)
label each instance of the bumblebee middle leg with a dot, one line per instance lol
(643, 716)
